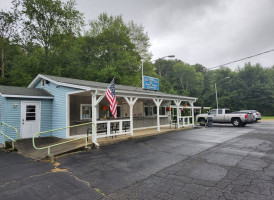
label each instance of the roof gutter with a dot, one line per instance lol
(24, 96)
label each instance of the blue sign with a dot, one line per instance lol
(150, 83)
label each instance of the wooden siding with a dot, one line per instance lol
(59, 109)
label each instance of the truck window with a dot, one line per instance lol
(227, 111)
(212, 112)
(220, 111)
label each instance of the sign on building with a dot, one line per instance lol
(150, 83)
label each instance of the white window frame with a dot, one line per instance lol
(81, 105)
(152, 114)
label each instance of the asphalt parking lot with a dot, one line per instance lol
(222, 162)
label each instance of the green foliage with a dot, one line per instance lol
(8, 24)
(51, 43)
(47, 22)
(114, 53)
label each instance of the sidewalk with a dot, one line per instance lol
(26, 148)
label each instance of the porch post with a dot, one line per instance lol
(192, 112)
(131, 101)
(94, 118)
(94, 105)
(158, 103)
(177, 103)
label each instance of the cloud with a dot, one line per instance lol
(209, 32)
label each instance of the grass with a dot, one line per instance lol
(268, 117)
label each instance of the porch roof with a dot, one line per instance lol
(17, 92)
(120, 89)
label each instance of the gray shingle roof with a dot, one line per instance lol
(100, 85)
(11, 90)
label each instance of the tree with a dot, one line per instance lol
(46, 22)
(164, 67)
(8, 24)
(111, 51)
(187, 80)
(140, 39)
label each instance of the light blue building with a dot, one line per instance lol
(52, 102)
(27, 109)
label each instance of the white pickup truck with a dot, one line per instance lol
(225, 116)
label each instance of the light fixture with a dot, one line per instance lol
(15, 105)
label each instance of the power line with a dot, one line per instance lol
(243, 58)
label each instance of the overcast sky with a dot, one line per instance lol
(208, 32)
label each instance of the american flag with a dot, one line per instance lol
(111, 96)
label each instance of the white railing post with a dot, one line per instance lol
(120, 127)
(184, 121)
(177, 103)
(192, 111)
(108, 128)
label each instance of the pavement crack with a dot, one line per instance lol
(57, 169)
(8, 183)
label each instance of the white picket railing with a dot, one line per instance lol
(110, 128)
(185, 121)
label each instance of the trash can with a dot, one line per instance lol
(209, 121)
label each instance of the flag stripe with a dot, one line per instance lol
(111, 97)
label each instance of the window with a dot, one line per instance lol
(155, 110)
(85, 111)
(162, 111)
(148, 110)
(30, 112)
(220, 111)
(212, 112)
(152, 110)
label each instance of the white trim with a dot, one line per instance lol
(68, 110)
(168, 97)
(21, 115)
(23, 96)
(148, 127)
(39, 76)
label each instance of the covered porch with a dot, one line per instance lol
(136, 110)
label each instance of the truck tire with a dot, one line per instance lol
(236, 122)
(202, 121)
